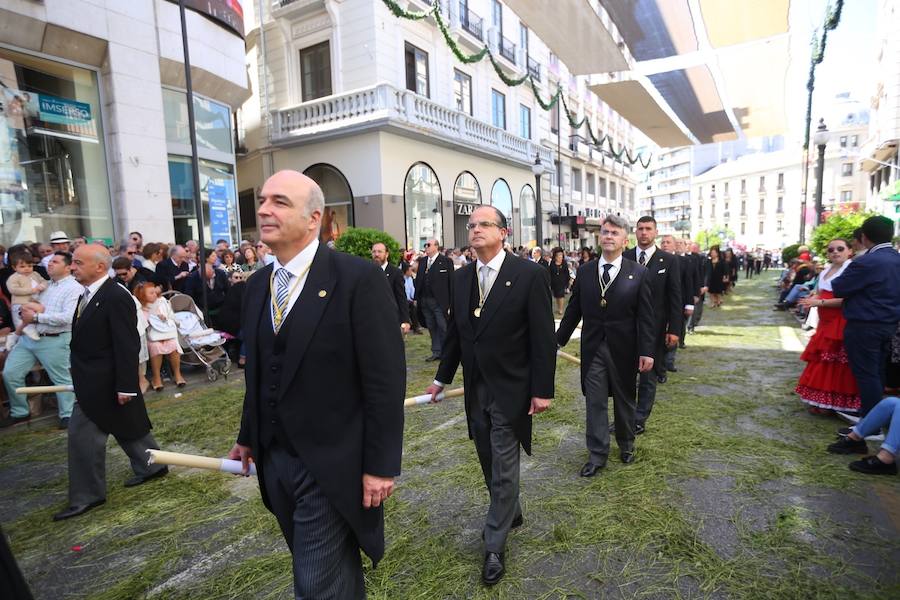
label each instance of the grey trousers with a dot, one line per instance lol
(436, 322)
(326, 560)
(599, 381)
(498, 453)
(698, 313)
(647, 385)
(87, 458)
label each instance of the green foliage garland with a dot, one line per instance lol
(818, 55)
(435, 12)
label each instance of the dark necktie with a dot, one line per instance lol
(643, 258)
(605, 277)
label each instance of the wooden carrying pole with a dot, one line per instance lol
(45, 389)
(161, 457)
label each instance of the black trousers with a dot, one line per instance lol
(868, 346)
(326, 560)
(600, 380)
(498, 453)
(436, 322)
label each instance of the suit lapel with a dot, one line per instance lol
(93, 303)
(254, 308)
(307, 312)
(463, 297)
(503, 283)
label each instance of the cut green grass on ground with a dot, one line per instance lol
(732, 496)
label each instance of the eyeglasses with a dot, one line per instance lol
(836, 248)
(131, 253)
(483, 224)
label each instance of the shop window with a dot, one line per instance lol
(338, 214)
(422, 198)
(466, 198)
(217, 197)
(52, 152)
(501, 198)
(212, 122)
(527, 227)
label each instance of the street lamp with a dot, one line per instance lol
(538, 169)
(820, 139)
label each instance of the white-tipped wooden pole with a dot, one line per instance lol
(45, 389)
(161, 457)
(426, 398)
(568, 357)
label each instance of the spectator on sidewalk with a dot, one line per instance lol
(152, 254)
(129, 275)
(52, 321)
(885, 414)
(59, 242)
(162, 335)
(870, 287)
(171, 273)
(24, 286)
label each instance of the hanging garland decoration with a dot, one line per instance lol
(832, 18)
(558, 96)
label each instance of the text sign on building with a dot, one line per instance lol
(63, 111)
(464, 209)
(219, 226)
(228, 12)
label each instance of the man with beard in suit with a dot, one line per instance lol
(394, 276)
(612, 296)
(433, 293)
(501, 331)
(665, 289)
(105, 347)
(325, 382)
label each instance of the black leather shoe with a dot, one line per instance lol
(627, 457)
(517, 522)
(681, 345)
(639, 428)
(871, 465)
(432, 358)
(64, 423)
(493, 568)
(590, 469)
(138, 480)
(74, 511)
(10, 421)
(845, 445)
(662, 379)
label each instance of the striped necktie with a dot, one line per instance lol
(282, 293)
(643, 258)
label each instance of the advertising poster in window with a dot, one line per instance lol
(219, 221)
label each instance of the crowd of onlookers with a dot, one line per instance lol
(38, 298)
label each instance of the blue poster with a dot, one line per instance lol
(219, 223)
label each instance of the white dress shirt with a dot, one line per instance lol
(494, 269)
(613, 271)
(297, 266)
(648, 254)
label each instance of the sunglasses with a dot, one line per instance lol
(836, 248)
(131, 253)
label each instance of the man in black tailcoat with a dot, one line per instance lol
(501, 331)
(433, 291)
(105, 347)
(665, 289)
(325, 382)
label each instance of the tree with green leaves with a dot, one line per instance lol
(713, 236)
(358, 242)
(836, 226)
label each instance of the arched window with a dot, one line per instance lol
(466, 197)
(338, 214)
(528, 229)
(501, 198)
(422, 197)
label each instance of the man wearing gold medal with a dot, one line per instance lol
(501, 330)
(612, 296)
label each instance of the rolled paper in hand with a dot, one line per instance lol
(45, 389)
(225, 465)
(426, 398)
(568, 357)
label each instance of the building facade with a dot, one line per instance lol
(96, 137)
(879, 157)
(755, 201)
(405, 138)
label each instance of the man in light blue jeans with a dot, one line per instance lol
(51, 349)
(885, 414)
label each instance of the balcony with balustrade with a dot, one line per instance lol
(401, 111)
(534, 68)
(467, 26)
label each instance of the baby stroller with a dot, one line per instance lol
(202, 346)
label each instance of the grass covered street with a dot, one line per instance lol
(732, 495)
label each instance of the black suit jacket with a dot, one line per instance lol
(439, 278)
(703, 270)
(689, 287)
(215, 296)
(627, 321)
(342, 385)
(398, 288)
(665, 288)
(104, 357)
(166, 271)
(511, 347)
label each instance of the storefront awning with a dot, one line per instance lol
(637, 100)
(717, 67)
(575, 31)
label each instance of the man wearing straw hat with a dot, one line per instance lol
(501, 331)
(325, 383)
